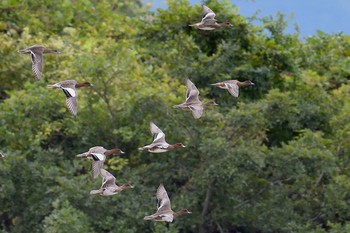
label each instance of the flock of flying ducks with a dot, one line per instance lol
(99, 154)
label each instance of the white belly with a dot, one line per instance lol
(207, 29)
(158, 150)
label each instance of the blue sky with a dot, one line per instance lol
(330, 16)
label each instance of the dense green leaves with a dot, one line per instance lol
(276, 159)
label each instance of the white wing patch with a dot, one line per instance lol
(101, 157)
(160, 138)
(71, 91)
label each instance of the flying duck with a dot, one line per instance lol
(36, 52)
(68, 88)
(192, 101)
(99, 155)
(208, 21)
(164, 211)
(109, 187)
(159, 145)
(233, 86)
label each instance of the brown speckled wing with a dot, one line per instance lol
(96, 168)
(71, 97)
(233, 89)
(72, 105)
(37, 64)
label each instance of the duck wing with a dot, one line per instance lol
(207, 13)
(96, 168)
(197, 111)
(37, 64)
(209, 21)
(71, 99)
(108, 179)
(192, 93)
(158, 135)
(233, 88)
(97, 150)
(163, 199)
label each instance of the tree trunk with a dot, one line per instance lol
(205, 209)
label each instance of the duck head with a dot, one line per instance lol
(211, 103)
(179, 145)
(55, 51)
(114, 152)
(249, 83)
(127, 186)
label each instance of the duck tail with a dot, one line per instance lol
(24, 51)
(216, 84)
(150, 217)
(53, 86)
(94, 192)
(81, 155)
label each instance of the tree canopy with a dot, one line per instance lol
(275, 159)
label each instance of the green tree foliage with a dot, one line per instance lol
(276, 159)
(66, 219)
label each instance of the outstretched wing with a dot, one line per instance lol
(233, 89)
(108, 179)
(71, 99)
(163, 199)
(192, 93)
(37, 64)
(158, 135)
(207, 13)
(197, 111)
(96, 168)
